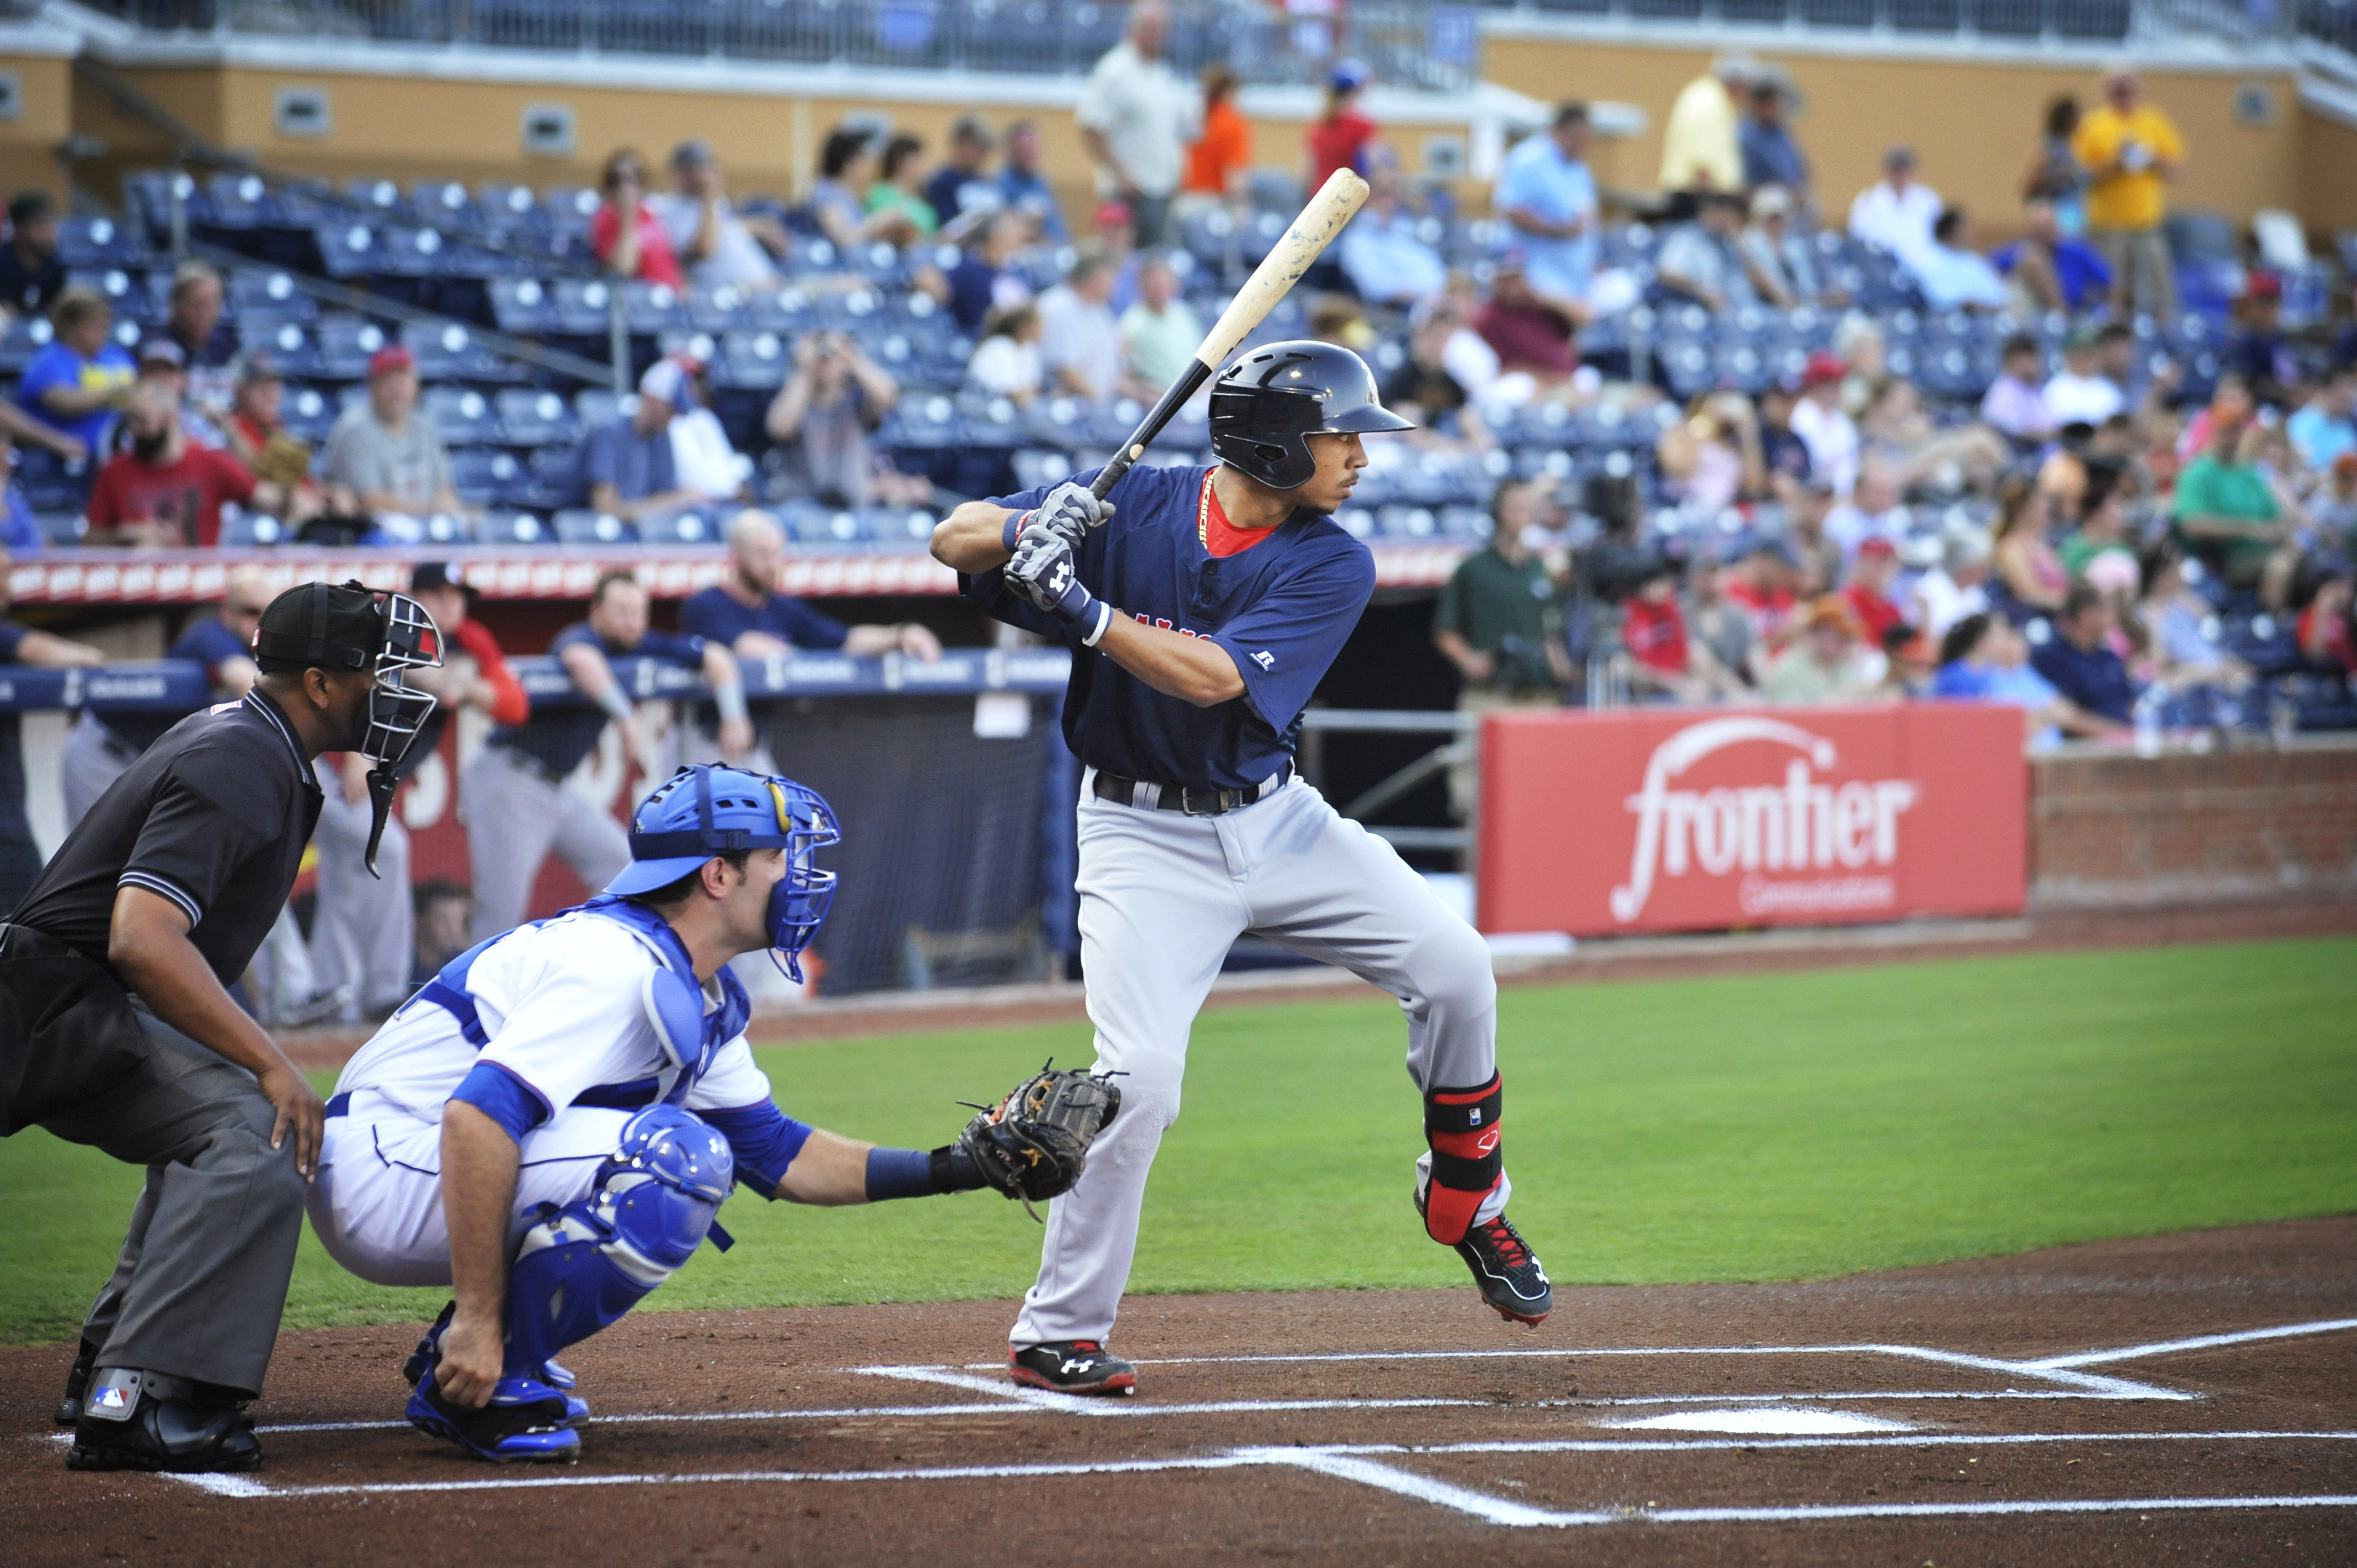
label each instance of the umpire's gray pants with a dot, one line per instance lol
(515, 817)
(364, 932)
(90, 760)
(203, 1278)
(1163, 896)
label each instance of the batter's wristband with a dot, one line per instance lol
(1105, 622)
(1016, 522)
(730, 700)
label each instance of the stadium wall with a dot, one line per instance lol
(2123, 831)
(412, 114)
(1972, 115)
(42, 63)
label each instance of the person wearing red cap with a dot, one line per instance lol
(382, 455)
(1823, 427)
(1867, 594)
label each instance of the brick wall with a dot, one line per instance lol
(2124, 830)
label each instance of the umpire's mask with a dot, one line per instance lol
(351, 627)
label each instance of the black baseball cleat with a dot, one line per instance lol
(182, 1437)
(1071, 1366)
(69, 1410)
(1510, 1274)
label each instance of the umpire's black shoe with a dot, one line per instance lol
(180, 1436)
(1071, 1366)
(1508, 1272)
(69, 1409)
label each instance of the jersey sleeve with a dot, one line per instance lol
(706, 614)
(573, 1018)
(1284, 641)
(673, 648)
(204, 825)
(807, 628)
(104, 508)
(12, 637)
(509, 702)
(734, 1097)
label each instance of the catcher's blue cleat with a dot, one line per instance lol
(558, 1377)
(524, 1421)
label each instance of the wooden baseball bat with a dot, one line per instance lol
(1311, 233)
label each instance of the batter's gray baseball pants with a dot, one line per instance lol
(515, 817)
(1163, 896)
(364, 932)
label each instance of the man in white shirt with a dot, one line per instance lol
(1823, 428)
(1954, 277)
(1957, 587)
(714, 242)
(1547, 193)
(1898, 213)
(1161, 333)
(1135, 118)
(2080, 393)
(1079, 342)
(1872, 511)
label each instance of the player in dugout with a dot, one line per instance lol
(117, 1029)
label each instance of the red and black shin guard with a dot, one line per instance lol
(1462, 1125)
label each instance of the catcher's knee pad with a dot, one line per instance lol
(1462, 1125)
(586, 1263)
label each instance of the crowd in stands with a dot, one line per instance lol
(1757, 443)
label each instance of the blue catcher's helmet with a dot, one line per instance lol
(708, 809)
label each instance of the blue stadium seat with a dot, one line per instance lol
(98, 243)
(522, 307)
(751, 361)
(380, 200)
(512, 528)
(26, 336)
(600, 405)
(287, 347)
(124, 296)
(1034, 469)
(62, 530)
(1409, 523)
(780, 310)
(532, 416)
(509, 208)
(308, 413)
(995, 425)
(444, 204)
(551, 481)
(270, 295)
(584, 306)
(231, 201)
(652, 307)
(807, 522)
(921, 423)
(717, 310)
(581, 526)
(242, 530)
(680, 527)
(347, 344)
(482, 476)
(462, 415)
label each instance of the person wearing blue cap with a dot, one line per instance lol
(1340, 138)
(550, 1125)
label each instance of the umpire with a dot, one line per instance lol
(117, 1029)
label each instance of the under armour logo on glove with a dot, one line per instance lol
(1043, 571)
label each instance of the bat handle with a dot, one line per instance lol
(1161, 415)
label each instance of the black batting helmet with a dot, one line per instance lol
(1264, 403)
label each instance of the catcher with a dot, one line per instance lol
(550, 1125)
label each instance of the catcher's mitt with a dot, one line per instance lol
(1035, 1142)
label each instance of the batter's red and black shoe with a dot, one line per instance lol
(1508, 1273)
(1071, 1366)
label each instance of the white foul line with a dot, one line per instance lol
(2203, 1342)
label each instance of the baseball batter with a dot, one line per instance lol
(1203, 605)
(551, 1125)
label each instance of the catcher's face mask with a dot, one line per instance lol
(802, 897)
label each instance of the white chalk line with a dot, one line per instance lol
(2202, 1342)
(1355, 1463)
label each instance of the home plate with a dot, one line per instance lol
(1763, 1422)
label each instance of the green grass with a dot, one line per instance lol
(1751, 1128)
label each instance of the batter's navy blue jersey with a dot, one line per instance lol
(558, 737)
(1281, 609)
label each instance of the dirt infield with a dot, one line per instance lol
(2182, 1399)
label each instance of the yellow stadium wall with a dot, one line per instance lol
(2328, 172)
(29, 144)
(1973, 125)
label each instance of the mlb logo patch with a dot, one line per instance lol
(112, 1398)
(1474, 1119)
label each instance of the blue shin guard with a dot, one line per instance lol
(586, 1264)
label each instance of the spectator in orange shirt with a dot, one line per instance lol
(1217, 163)
(1340, 139)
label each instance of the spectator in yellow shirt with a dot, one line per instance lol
(1700, 147)
(2130, 150)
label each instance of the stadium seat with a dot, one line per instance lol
(308, 413)
(583, 306)
(581, 526)
(807, 522)
(462, 415)
(26, 336)
(531, 417)
(552, 480)
(717, 310)
(680, 527)
(347, 344)
(896, 525)
(242, 530)
(522, 307)
(444, 204)
(651, 308)
(752, 360)
(98, 242)
(512, 528)
(599, 405)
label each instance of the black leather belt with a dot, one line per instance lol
(1123, 790)
(530, 764)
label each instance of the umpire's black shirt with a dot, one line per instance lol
(213, 817)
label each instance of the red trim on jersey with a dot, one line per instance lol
(1219, 536)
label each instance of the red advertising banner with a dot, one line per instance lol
(1679, 819)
